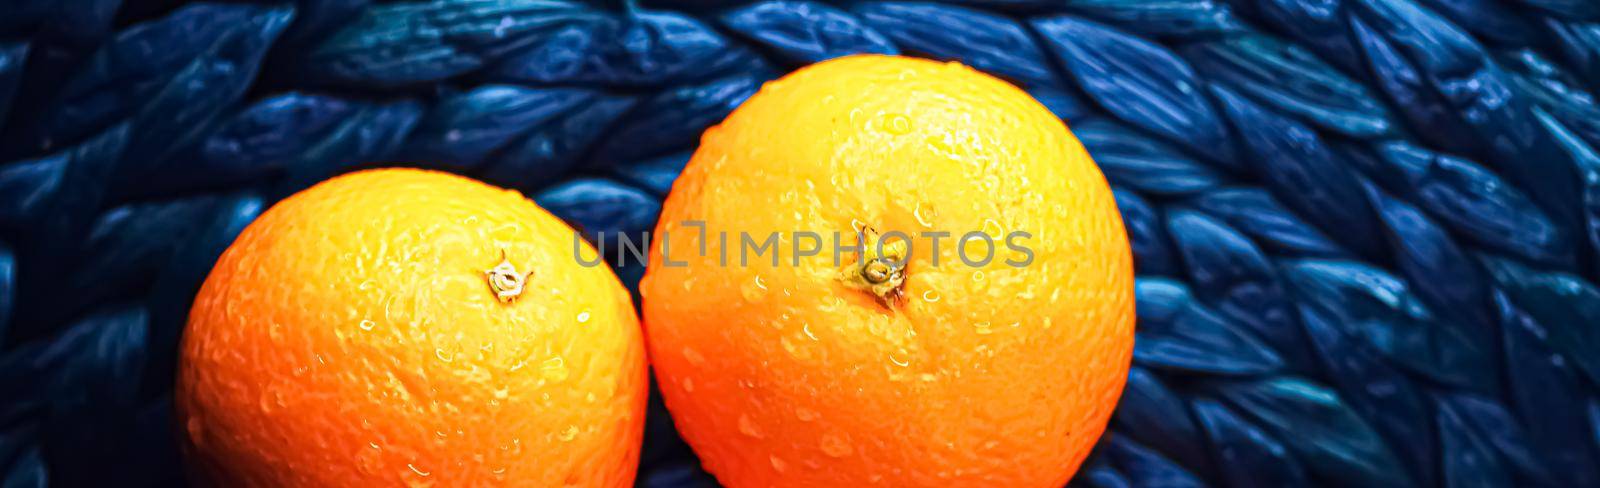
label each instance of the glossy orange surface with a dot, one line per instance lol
(991, 375)
(350, 337)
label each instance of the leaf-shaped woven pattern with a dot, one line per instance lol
(1366, 230)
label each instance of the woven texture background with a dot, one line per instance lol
(1366, 230)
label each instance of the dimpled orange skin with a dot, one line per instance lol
(981, 376)
(348, 338)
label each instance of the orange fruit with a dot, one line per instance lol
(819, 373)
(369, 331)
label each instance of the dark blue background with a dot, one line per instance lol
(1366, 230)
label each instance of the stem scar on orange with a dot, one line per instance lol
(810, 372)
(404, 327)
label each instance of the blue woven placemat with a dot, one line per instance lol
(1365, 230)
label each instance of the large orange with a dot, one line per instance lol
(351, 336)
(820, 374)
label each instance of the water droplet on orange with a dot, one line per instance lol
(748, 427)
(836, 445)
(554, 369)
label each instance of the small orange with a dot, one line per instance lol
(405, 327)
(824, 373)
